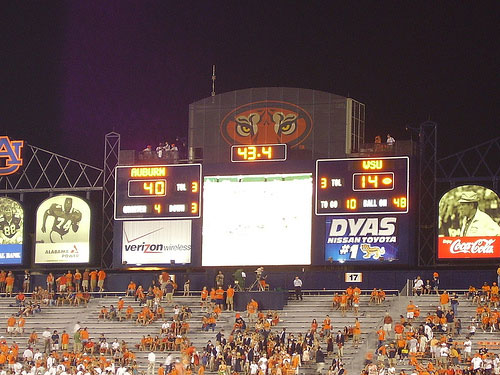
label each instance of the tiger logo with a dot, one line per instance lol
(374, 252)
(267, 122)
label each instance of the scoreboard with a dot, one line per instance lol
(362, 186)
(145, 192)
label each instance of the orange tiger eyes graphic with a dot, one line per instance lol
(266, 122)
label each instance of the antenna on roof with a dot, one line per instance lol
(213, 80)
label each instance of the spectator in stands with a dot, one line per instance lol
(444, 300)
(340, 341)
(11, 325)
(3, 276)
(204, 299)
(186, 291)
(219, 280)
(46, 340)
(85, 280)
(418, 286)
(131, 288)
(93, 280)
(169, 292)
(435, 282)
(297, 284)
(101, 276)
(9, 284)
(26, 281)
(387, 324)
(230, 298)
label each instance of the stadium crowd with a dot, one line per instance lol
(258, 343)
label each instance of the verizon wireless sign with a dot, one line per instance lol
(468, 247)
(156, 242)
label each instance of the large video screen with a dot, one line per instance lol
(469, 218)
(257, 220)
(11, 231)
(156, 242)
(63, 230)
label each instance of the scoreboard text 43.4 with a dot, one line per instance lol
(157, 191)
(362, 186)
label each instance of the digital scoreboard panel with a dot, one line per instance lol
(251, 153)
(362, 186)
(145, 192)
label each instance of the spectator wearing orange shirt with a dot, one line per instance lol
(252, 310)
(444, 300)
(3, 275)
(21, 322)
(327, 326)
(230, 298)
(69, 280)
(356, 333)
(129, 313)
(131, 288)
(410, 311)
(219, 297)
(77, 277)
(62, 282)
(119, 306)
(381, 333)
(9, 284)
(343, 303)
(85, 280)
(93, 280)
(101, 277)
(204, 299)
(11, 325)
(64, 341)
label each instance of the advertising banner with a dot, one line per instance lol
(156, 242)
(365, 238)
(469, 218)
(63, 230)
(11, 231)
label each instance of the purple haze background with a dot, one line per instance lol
(74, 71)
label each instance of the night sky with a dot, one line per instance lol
(73, 71)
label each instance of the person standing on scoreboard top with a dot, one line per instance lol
(390, 140)
(297, 284)
(475, 223)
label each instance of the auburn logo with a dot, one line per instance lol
(266, 122)
(10, 155)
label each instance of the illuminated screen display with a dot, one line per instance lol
(257, 220)
(11, 231)
(63, 230)
(156, 242)
(362, 186)
(469, 218)
(249, 153)
(157, 191)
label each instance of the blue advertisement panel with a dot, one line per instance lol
(372, 238)
(11, 231)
